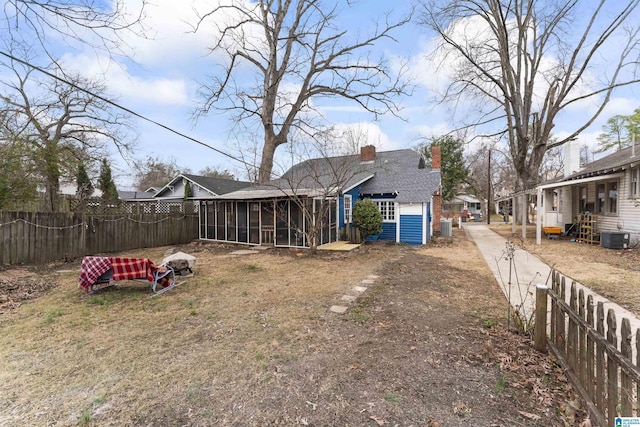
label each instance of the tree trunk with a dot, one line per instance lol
(51, 175)
(266, 163)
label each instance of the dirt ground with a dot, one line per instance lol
(250, 341)
(612, 273)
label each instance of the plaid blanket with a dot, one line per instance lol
(92, 267)
(132, 268)
(123, 269)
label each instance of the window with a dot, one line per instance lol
(583, 199)
(387, 209)
(607, 198)
(347, 208)
(612, 197)
(600, 192)
(633, 183)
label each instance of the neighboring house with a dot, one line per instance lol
(608, 189)
(202, 187)
(71, 189)
(126, 196)
(327, 189)
(463, 204)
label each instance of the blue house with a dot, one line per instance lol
(312, 203)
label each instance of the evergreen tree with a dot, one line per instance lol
(453, 169)
(619, 131)
(84, 187)
(187, 190)
(367, 217)
(105, 182)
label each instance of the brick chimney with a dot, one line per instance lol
(436, 157)
(437, 213)
(368, 153)
(436, 163)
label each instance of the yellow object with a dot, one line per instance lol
(552, 230)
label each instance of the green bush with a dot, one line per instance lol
(367, 217)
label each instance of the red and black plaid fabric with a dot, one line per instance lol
(132, 268)
(123, 269)
(92, 267)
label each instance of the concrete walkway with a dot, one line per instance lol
(526, 271)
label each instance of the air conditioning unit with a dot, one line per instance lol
(445, 228)
(614, 240)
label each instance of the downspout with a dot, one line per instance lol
(397, 209)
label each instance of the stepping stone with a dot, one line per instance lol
(367, 282)
(340, 309)
(359, 288)
(260, 248)
(373, 277)
(348, 298)
(244, 252)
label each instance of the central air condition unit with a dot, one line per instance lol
(445, 228)
(614, 240)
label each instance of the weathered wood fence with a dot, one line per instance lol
(603, 370)
(30, 237)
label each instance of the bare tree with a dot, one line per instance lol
(313, 185)
(296, 54)
(524, 62)
(43, 23)
(154, 172)
(217, 172)
(60, 124)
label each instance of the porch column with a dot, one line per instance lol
(539, 218)
(514, 212)
(523, 214)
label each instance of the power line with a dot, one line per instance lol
(133, 113)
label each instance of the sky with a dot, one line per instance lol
(162, 73)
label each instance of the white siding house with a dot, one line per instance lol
(608, 189)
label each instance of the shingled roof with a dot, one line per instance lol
(346, 171)
(215, 186)
(410, 185)
(398, 172)
(612, 163)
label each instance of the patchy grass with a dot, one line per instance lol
(612, 273)
(249, 340)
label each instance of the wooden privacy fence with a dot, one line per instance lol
(29, 237)
(603, 370)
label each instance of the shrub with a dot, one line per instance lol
(367, 217)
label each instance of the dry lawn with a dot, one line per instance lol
(250, 341)
(612, 273)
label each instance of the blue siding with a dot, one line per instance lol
(411, 229)
(388, 231)
(354, 198)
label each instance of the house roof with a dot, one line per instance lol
(411, 185)
(215, 186)
(398, 172)
(134, 195)
(346, 171)
(612, 163)
(466, 198)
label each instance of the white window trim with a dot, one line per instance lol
(391, 205)
(634, 173)
(348, 209)
(606, 211)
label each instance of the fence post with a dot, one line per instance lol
(540, 331)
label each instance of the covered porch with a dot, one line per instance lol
(281, 222)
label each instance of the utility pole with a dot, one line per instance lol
(489, 189)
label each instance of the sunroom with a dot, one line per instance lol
(267, 217)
